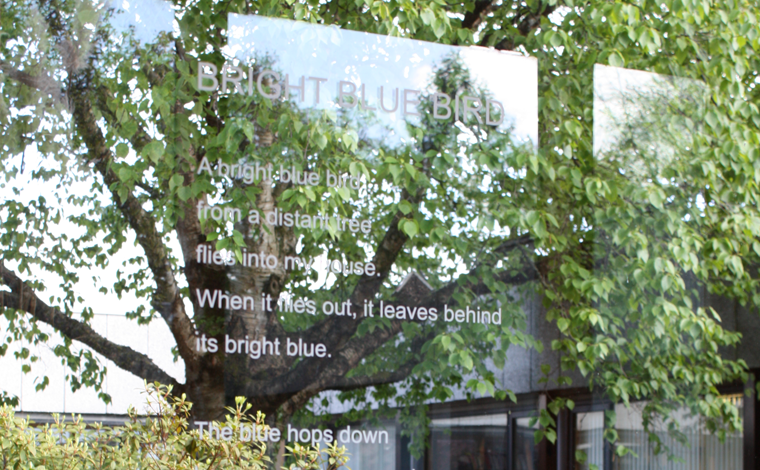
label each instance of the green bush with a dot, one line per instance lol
(160, 440)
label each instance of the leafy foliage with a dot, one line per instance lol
(623, 259)
(159, 440)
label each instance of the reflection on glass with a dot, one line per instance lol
(385, 73)
(255, 329)
(374, 456)
(131, 15)
(700, 449)
(646, 128)
(524, 449)
(470, 443)
(589, 439)
(637, 118)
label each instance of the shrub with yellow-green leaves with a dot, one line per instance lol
(161, 439)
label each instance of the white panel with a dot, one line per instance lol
(125, 389)
(10, 368)
(160, 344)
(50, 399)
(86, 400)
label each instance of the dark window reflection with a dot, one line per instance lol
(524, 449)
(471, 443)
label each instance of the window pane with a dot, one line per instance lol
(703, 450)
(377, 453)
(589, 429)
(524, 449)
(469, 443)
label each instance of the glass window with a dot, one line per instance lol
(376, 450)
(469, 443)
(696, 449)
(589, 440)
(524, 449)
(702, 449)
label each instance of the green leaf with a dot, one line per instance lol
(176, 180)
(712, 119)
(154, 151)
(615, 59)
(466, 360)
(656, 197)
(555, 39)
(185, 193)
(122, 150)
(410, 227)
(427, 16)
(321, 141)
(405, 207)
(125, 173)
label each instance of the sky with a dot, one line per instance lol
(616, 90)
(372, 60)
(147, 17)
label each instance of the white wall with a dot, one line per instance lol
(125, 389)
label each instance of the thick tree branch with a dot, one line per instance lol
(139, 139)
(351, 350)
(333, 330)
(23, 298)
(44, 83)
(321, 376)
(525, 20)
(530, 19)
(381, 378)
(387, 377)
(473, 18)
(437, 298)
(166, 299)
(346, 359)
